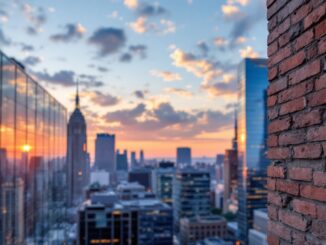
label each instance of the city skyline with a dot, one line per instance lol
(167, 79)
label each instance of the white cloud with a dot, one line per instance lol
(132, 4)
(248, 52)
(166, 75)
(230, 11)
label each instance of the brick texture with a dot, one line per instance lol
(297, 121)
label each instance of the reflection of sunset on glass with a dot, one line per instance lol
(26, 148)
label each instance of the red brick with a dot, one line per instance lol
(304, 39)
(272, 73)
(292, 62)
(271, 101)
(321, 212)
(307, 119)
(277, 86)
(293, 106)
(322, 46)
(318, 228)
(284, 39)
(269, 2)
(320, 82)
(273, 239)
(293, 220)
(314, 17)
(319, 178)
(276, 172)
(304, 207)
(279, 125)
(317, 98)
(279, 56)
(300, 13)
(307, 151)
(320, 29)
(297, 173)
(287, 186)
(292, 137)
(316, 133)
(272, 48)
(312, 192)
(273, 212)
(305, 72)
(271, 184)
(275, 198)
(312, 52)
(295, 91)
(278, 229)
(279, 153)
(272, 140)
(298, 238)
(273, 113)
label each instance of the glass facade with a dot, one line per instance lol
(252, 135)
(32, 157)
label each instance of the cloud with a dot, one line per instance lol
(203, 47)
(166, 75)
(108, 40)
(248, 52)
(102, 69)
(73, 32)
(220, 42)
(142, 25)
(139, 49)
(36, 17)
(150, 10)
(126, 116)
(126, 57)
(3, 39)
(168, 26)
(140, 94)
(27, 47)
(100, 98)
(4, 17)
(32, 60)
(230, 11)
(179, 91)
(241, 2)
(132, 4)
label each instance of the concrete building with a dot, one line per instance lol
(258, 235)
(183, 156)
(105, 152)
(199, 228)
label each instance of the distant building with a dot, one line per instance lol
(214, 241)
(143, 176)
(107, 219)
(77, 156)
(252, 133)
(258, 235)
(199, 228)
(183, 156)
(105, 152)
(133, 160)
(122, 161)
(219, 159)
(219, 195)
(163, 180)
(101, 177)
(230, 178)
(191, 193)
(141, 158)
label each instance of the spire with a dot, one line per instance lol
(235, 139)
(77, 95)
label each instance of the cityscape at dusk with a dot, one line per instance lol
(166, 122)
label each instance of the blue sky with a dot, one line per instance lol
(159, 74)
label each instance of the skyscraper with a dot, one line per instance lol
(183, 156)
(133, 160)
(122, 161)
(105, 152)
(141, 158)
(77, 156)
(252, 132)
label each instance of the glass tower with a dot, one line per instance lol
(32, 155)
(252, 135)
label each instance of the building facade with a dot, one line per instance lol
(252, 133)
(105, 152)
(77, 155)
(230, 179)
(183, 156)
(191, 194)
(163, 180)
(32, 126)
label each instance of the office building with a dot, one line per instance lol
(219, 159)
(183, 156)
(77, 155)
(106, 219)
(230, 179)
(133, 160)
(141, 158)
(199, 228)
(105, 152)
(258, 235)
(162, 183)
(143, 176)
(32, 123)
(122, 161)
(101, 177)
(191, 193)
(252, 133)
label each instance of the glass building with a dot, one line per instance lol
(252, 133)
(32, 155)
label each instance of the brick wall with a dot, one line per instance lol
(297, 128)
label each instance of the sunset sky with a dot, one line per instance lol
(158, 74)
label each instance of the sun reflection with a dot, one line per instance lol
(26, 148)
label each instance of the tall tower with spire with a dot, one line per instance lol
(77, 156)
(235, 139)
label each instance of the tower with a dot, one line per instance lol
(77, 156)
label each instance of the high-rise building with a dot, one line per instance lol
(105, 152)
(252, 133)
(258, 235)
(141, 158)
(183, 156)
(108, 219)
(33, 125)
(219, 159)
(191, 193)
(122, 161)
(230, 179)
(133, 160)
(199, 228)
(77, 156)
